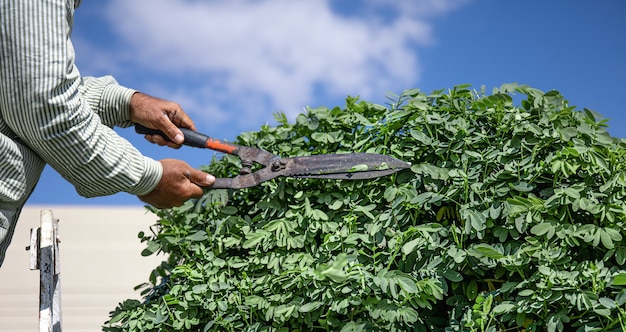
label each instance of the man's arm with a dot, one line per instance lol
(44, 106)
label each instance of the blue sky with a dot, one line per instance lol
(232, 64)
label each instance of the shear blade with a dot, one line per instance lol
(351, 166)
(352, 175)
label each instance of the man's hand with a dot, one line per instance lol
(179, 183)
(160, 114)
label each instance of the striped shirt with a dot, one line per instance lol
(49, 112)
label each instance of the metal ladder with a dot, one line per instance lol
(44, 256)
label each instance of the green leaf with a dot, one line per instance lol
(620, 255)
(255, 238)
(452, 275)
(317, 214)
(197, 236)
(311, 306)
(200, 289)
(407, 284)
(390, 193)
(151, 248)
(476, 219)
(503, 308)
(322, 137)
(421, 137)
(472, 290)
(619, 279)
(606, 239)
(408, 314)
(568, 133)
(229, 210)
(487, 251)
(336, 205)
(614, 234)
(607, 302)
(366, 210)
(522, 187)
(544, 228)
(408, 247)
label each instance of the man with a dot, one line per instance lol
(49, 114)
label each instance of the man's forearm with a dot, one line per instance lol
(108, 99)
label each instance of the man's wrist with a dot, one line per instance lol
(152, 176)
(115, 104)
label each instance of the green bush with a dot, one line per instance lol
(510, 219)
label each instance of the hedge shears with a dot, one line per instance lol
(345, 166)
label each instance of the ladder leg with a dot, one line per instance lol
(47, 261)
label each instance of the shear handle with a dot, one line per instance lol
(194, 139)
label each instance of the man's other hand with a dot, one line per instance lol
(160, 114)
(179, 183)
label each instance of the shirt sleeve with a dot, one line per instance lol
(108, 99)
(62, 117)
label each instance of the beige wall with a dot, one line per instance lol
(101, 262)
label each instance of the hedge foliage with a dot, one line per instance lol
(510, 219)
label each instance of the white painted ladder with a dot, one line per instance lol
(44, 256)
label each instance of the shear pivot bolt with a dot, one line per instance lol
(246, 167)
(278, 165)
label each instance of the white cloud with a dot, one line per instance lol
(269, 55)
